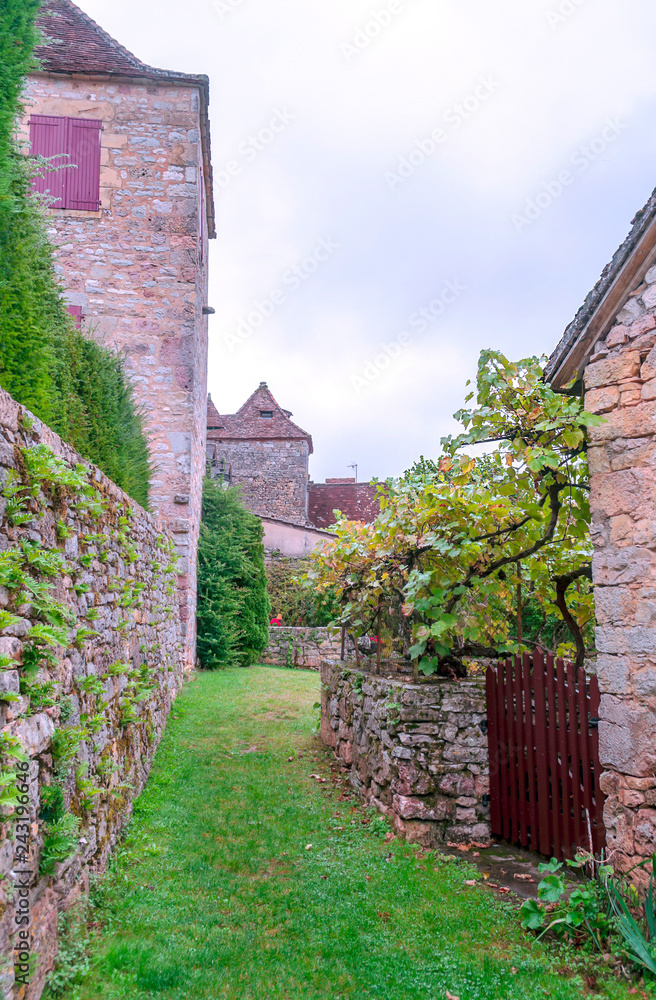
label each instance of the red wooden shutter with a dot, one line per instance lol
(48, 138)
(82, 184)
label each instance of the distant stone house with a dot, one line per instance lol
(261, 449)
(610, 350)
(131, 215)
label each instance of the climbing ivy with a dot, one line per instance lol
(32, 571)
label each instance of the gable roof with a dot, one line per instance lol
(247, 424)
(74, 43)
(599, 311)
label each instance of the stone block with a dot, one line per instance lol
(612, 369)
(602, 400)
(627, 736)
(34, 733)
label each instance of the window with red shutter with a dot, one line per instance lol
(75, 144)
(48, 139)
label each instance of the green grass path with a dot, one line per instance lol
(216, 894)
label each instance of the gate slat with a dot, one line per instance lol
(563, 750)
(545, 814)
(491, 684)
(552, 736)
(512, 753)
(588, 796)
(503, 750)
(579, 833)
(599, 830)
(531, 783)
(521, 737)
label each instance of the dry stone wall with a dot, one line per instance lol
(621, 386)
(304, 648)
(415, 751)
(273, 475)
(91, 659)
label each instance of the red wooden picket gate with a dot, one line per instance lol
(544, 756)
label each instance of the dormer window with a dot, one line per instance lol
(266, 414)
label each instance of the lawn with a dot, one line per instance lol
(244, 877)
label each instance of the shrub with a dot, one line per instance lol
(297, 603)
(233, 607)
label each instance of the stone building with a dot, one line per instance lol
(610, 350)
(131, 212)
(261, 449)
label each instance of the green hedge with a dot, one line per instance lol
(233, 607)
(75, 385)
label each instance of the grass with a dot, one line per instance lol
(217, 893)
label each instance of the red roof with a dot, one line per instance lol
(248, 424)
(76, 44)
(357, 501)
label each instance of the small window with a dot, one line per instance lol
(73, 147)
(267, 414)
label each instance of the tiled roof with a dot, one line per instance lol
(357, 501)
(74, 43)
(248, 424)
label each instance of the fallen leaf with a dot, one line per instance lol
(525, 878)
(384, 915)
(450, 996)
(503, 890)
(513, 970)
(389, 836)
(368, 878)
(324, 876)
(308, 847)
(471, 881)
(493, 885)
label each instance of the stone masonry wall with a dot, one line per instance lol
(304, 648)
(138, 269)
(621, 385)
(415, 751)
(273, 474)
(90, 663)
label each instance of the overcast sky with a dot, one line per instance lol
(400, 185)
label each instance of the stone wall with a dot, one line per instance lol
(304, 648)
(273, 475)
(90, 663)
(138, 269)
(415, 751)
(621, 385)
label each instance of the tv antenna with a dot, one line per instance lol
(354, 466)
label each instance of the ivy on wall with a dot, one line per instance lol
(52, 601)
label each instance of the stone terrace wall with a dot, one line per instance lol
(415, 751)
(91, 710)
(621, 385)
(304, 648)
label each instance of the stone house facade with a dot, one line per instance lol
(131, 213)
(609, 350)
(261, 449)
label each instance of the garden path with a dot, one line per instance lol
(251, 872)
